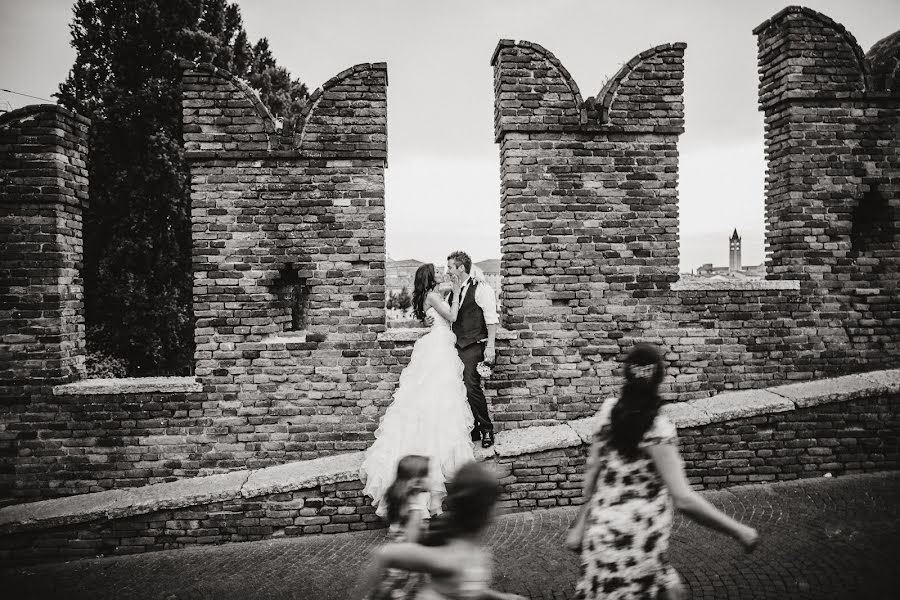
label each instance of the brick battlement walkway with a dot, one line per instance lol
(821, 539)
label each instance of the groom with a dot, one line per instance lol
(475, 328)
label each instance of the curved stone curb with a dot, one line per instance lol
(840, 389)
(301, 475)
(115, 504)
(528, 440)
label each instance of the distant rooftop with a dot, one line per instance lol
(409, 262)
(491, 265)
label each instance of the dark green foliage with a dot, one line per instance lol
(137, 260)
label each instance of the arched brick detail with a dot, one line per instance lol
(804, 54)
(347, 116)
(533, 90)
(883, 60)
(832, 216)
(220, 112)
(648, 91)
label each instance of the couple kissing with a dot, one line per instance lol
(439, 407)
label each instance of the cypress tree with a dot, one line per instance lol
(137, 228)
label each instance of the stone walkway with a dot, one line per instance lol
(821, 539)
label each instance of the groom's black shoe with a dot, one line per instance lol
(476, 434)
(487, 438)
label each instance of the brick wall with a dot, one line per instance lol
(590, 225)
(288, 254)
(839, 438)
(832, 192)
(77, 444)
(43, 189)
(284, 223)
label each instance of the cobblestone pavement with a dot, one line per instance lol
(821, 539)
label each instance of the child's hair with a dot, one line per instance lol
(471, 496)
(410, 467)
(638, 403)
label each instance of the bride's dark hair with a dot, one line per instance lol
(424, 283)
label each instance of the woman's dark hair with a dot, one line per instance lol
(424, 283)
(471, 496)
(410, 467)
(638, 403)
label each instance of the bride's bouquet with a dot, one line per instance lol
(483, 369)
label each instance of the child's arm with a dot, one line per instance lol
(411, 557)
(495, 595)
(418, 508)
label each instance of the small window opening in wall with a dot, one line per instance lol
(873, 221)
(294, 290)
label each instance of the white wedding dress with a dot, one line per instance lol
(429, 416)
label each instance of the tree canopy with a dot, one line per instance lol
(137, 227)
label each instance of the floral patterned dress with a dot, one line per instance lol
(623, 553)
(399, 584)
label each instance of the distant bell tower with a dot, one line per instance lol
(734, 252)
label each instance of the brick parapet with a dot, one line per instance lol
(647, 92)
(43, 190)
(831, 210)
(804, 54)
(534, 93)
(289, 268)
(589, 217)
(883, 61)
(345, 119)
(222, 113)
(590, 224)
(842, 426)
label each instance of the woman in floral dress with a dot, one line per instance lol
(634, 470)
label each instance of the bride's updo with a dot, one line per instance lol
(424, 283)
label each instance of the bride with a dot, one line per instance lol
(429, 414)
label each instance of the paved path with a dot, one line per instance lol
(821, 539)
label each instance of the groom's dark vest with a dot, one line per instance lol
(469, 326)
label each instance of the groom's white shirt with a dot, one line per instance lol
(484, 298)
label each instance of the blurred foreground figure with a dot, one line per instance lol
(460, 567)
(634, 469)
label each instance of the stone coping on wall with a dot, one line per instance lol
(398, 335)
(285, 337)
(736, 284)
(120, 503)
(411, 334)
(129, 385)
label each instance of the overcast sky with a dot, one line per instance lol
(443, 184)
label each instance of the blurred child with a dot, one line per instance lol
(460, 567)
(406, 501)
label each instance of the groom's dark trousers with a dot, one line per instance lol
(470, 357)
(470, 330)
